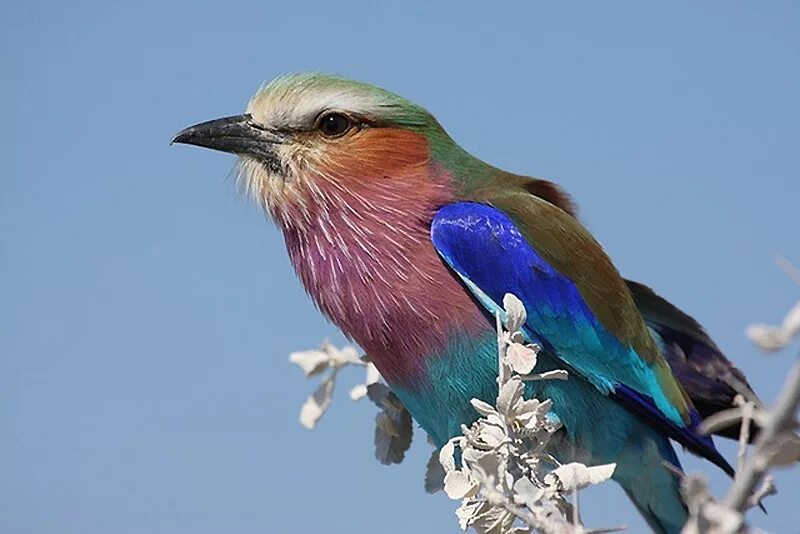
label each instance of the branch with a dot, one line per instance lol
(775, 435)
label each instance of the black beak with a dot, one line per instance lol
(238, 135)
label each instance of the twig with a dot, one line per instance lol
(576, 513)
(788, 267)
(777, 421)
(501, 350)
(744, 431)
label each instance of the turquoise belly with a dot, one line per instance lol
(596, 427)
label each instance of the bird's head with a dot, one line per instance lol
(305, 136)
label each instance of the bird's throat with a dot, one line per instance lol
(366, 259)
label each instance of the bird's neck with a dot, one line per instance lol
(365, 256)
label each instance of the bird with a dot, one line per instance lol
(408, 243)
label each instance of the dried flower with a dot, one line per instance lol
(773, 338)
(503, 475)
(315, 362)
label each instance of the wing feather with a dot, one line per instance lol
(494, 254)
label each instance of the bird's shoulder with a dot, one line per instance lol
(560, 239)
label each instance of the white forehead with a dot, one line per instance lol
(296, 101)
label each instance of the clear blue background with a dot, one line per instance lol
(148, 310)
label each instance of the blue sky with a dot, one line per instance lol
(148, 310)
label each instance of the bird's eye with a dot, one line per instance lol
(334, 124)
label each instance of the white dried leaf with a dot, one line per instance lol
(488, 465)
(447, 456)
(378, 393)
(766, 489)
(386, 425)
(493, 520)
(534, 407)
(526, 493)
(459, 485)
(721, 518)
(522, 358)
(768, 338)
(784, 451)
(509, 394)
(572, 476)
(483, 408)
(532, 414)
(345, 355)
(492, 435)
(312, 362)
(358, 392)
(317, 403)
(694, 490)
(515, 337)
(393, 433)
(384, 398)
(434, 474)
(792, 320)
(471, 456)
(469, 510)
(394, 403)
(555, 374)
(773, 338)
(373, 376)
(515, 312)
(707, 516)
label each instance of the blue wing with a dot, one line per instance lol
(488, 252)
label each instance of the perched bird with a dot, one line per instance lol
(408, 244)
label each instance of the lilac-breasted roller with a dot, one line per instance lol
(408, 244)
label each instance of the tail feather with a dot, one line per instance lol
(653, 487)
